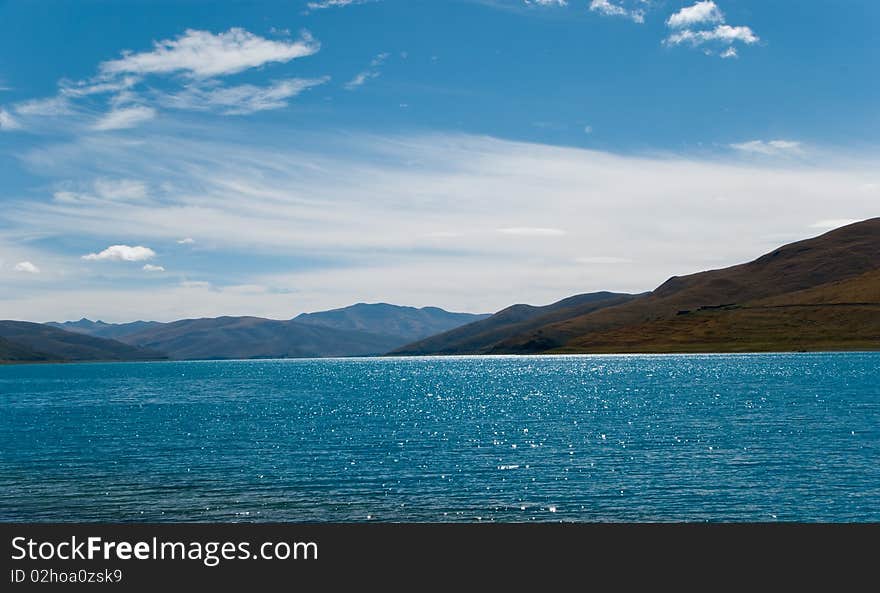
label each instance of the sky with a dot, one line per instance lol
(165, 160)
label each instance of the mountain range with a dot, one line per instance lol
(359, 330)
(818, 294)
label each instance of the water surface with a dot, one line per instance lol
(764, 437)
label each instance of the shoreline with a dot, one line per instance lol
(449, 356)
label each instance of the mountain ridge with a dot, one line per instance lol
(849, 252)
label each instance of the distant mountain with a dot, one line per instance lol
(815, 294)
(21, 341)
(407, 323)
(484, 336)
(359, 330)
(254, 337)
(100, 329)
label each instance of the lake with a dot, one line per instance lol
(764, 437)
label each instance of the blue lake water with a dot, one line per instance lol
(788, 437)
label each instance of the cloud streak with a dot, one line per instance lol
(769, 147)
(202, 54)
(242, 99)
(370, 73)
(124, 118)
(449, 220)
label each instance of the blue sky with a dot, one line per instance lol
(190, 158)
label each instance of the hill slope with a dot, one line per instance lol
(840, 315)
(36, 342)
(483, 337)
(407, 323)
(731, 309)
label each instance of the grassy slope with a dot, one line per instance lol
(840, 315)
(831, 258)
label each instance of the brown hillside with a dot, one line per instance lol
(839, 255)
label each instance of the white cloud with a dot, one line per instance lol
(322, 4)
(368, 74)
(202, 54)
(718, 40)
(722, 33)
(608, 8)
(532, 231)
(701, 12)
(769, 147)
(547, 2)
(127, 117)
(187, 241)
(122, 253)
(242, 99)
(152, 268)
(7, 122)
(26, 267)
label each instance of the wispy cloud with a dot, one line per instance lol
(193, 65)
(127, 117)
(203, 54)
(324, 4)
(186, 241)
(610, 8)
(242, 99)
(122, 253)
(52, 106)
(152, 268)
(102, 190)
(7, 122)
(372, 72)
(428, 205)
(769, 147)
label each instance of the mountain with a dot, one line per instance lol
(12, 352)
(99, 329)
(820, 293)
(21, 341)
(359, 330)
(254, 337)
(484, 336)
(840, 315)
(408, 323)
